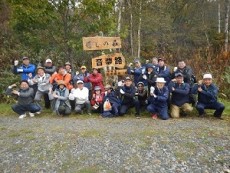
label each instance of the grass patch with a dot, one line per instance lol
(91, 133)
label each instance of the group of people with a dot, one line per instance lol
(152, 87)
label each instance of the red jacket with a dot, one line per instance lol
(96, 80)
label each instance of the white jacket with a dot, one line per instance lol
(80, 96)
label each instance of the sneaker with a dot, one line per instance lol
(137, 116)
(38, 112)
(31, 114)
(22, 116)
(218, 117)
(89, 113)
(154, 116)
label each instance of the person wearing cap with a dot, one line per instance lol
(42, 81)
(25, 99)
(179, 96)
(138, 72)
(163, 71)
(25, 69)
(207, 96)
(127, 94)
(114, 100)
(59, 98)
(49, 67)
(97, 100)
(80, 76)
(158, 106)
(141, 94)
(80, 95)
(95, 79)
(61, 75)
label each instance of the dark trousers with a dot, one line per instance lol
(47, 100)
(162, 111)
(218, 107)
(22, 109)
(126, 107)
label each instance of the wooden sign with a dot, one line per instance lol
(111, 60)
(100, 43)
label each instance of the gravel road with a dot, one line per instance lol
(125, 144)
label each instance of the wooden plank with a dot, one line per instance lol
(110, 60)
(100, 43)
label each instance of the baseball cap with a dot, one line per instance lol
(127, 78)
(178, 74)
(80, 82)
(207, 76)
(48, 61)
(67, 63)
(83, 67)
(24, 57)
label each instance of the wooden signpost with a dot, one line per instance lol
(100, 43)
(113, 64)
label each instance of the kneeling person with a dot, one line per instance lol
(180, 96)
(25, 99)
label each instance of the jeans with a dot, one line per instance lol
(218, 107)
(125, 107)
(162, 111)
(22, 109)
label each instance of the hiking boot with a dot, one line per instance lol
(137, 116)
(31, 114)
(154, 116)
(22, 116)
(218, 117)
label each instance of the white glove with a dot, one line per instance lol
(77, 72)
(16, 62)
(154, 95)
(144, 77)
(152, 89)
(120, 83)
(19, 70)
(132, 71)
(71, 96)
(121, 91)
(130, 64)
(175, 69)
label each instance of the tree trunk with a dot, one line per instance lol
(131, 27)
(139, 32)
(219, 18)
(227, 2)
(119, 16)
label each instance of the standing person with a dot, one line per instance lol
(128, 98)
(163, 71)
(81, 97)
(158, 106)
(207, 96)
(25, 102)
(49, 67)
(25, 69)
(138, 71)
(96, 79)
(61, 75)
(59, 97)
(180, 96)
(113, 99)
(80, 76)
(42, 81)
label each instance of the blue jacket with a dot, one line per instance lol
(81, 76)
(164, 72)
(25, 70)
(208, 95)
(113, 98)
(138, 73)
(128, 97)
(162, 97)
(180, 95)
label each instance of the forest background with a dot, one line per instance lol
(193, 30)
